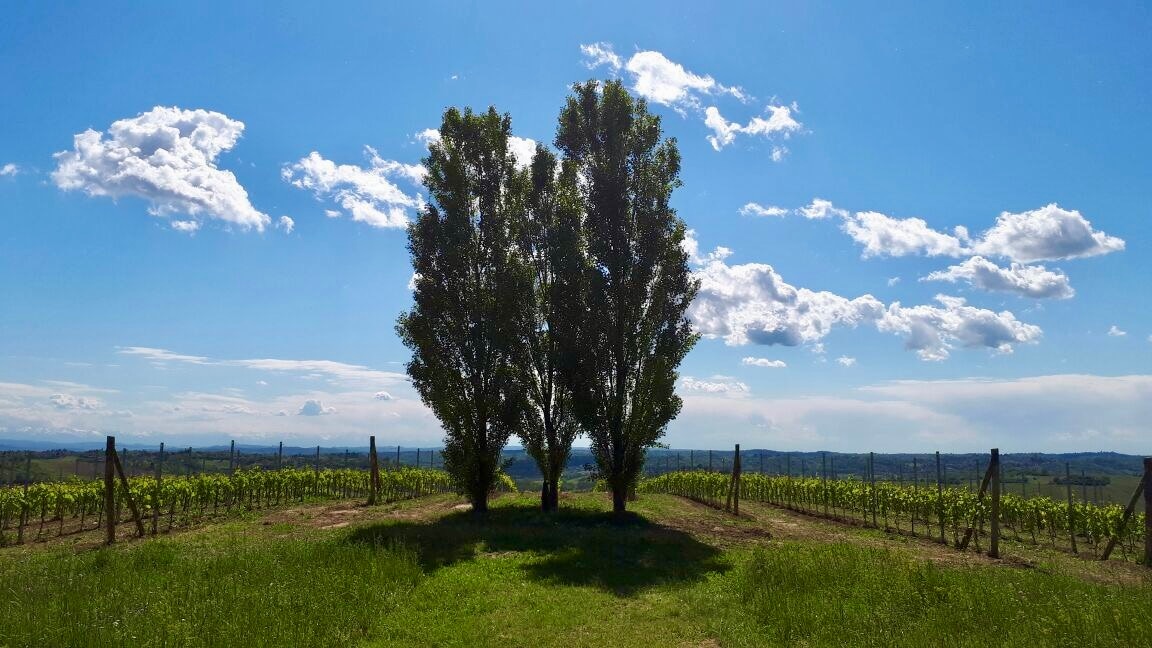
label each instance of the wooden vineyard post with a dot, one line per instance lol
(872, 480)
(374, 474)
(980, 497)
(110, 490)
(994, 540)
(159, 482)
(732, 501)
(824, 480)
(1148, 512)
(280, 456)
(915, 488)
(940, 497)
(1128, 511)
(232, 459)
(709, 461)
(1071, 510)
(128, 494)
(397, 456)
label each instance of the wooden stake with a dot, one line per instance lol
(1128, 511)
(872, 479)
(1148, 512)
(110, 490)
(940, 496)
(824, 479)
(994, 468)
(159, 482)
(736, 469)
(128, 495)
(232, 459)
(374, 475)
(1071, 510)
(979, 499)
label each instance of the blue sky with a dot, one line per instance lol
(919, 227)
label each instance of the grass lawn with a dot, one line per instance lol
(672, 573)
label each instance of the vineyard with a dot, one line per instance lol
(43, 509)
(939, 513)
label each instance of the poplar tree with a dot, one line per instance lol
(465, 329)
(624, 279)
(548, 201)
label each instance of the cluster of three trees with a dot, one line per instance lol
(550, 300)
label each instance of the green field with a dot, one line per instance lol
(426, 572)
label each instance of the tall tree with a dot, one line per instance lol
(549, 201)
(466, 326)
(626, 284)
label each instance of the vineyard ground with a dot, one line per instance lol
(673, 573)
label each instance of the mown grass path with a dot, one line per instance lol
(672, 573)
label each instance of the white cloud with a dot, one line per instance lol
(428, 136)
(382, 395)
(597, 54)
(166, 156)
(188, 226)
(751, 304)
(892, 281)
(883, 235)
(367, 193)
(763, 362)
(667, 83)
(778, 153)
(1027, 281)
(1047, 233)
(932, 331)
(755, 209)
(1116, 332)
(779, 122)
(286, 223)
(314, 408)
(9, 169)
(69, 402)
(523, 149)
(713, 385)
(846, 361)
(336, 371)
(820, 208)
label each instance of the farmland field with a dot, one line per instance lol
(673, 572)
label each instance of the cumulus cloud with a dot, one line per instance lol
(820, 208)
(713, 385)
(382, 395)
(1115, 331)
(763, 362)
(286, 223)
(892, 281)
(883, 235)
(188, 226)
(752, 304)
(69, 402)
(1027, 281)
(428, 136)
(932, 331)
(368, 193)
(314, 408)
(597, 54)
(755, 209)
(166, 156)
(9, 169)
(779, 121)
(846, 361)
(1048, 233)
(662, 81)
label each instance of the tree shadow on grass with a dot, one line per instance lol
(623, 555)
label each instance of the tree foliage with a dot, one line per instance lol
(465, 327)
(623, 279)
(549, 201)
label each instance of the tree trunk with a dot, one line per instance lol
(554, 495)
(619, 500)
(480, 502)
(545, 495)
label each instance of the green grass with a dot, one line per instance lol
(521, 578)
